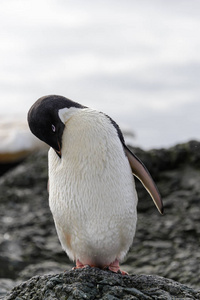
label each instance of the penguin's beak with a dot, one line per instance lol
(58, 151)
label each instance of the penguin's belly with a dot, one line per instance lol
(92, 197)
(94, 214)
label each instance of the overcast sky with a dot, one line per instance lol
(138, 61)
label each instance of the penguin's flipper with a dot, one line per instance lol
(141, 172)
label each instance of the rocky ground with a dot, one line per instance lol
(92, 283)
(166, 245)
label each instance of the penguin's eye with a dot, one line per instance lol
(53, 127)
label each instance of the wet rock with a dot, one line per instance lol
(92, 283)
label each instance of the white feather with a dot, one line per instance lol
(92, 191)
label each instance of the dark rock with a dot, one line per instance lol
(92, 283)
(164, 245)
(5, 167)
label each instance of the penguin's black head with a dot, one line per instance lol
(44, 120)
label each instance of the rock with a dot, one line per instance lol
(6, 285)
(92, 283)
(166, 245)
(6, 166)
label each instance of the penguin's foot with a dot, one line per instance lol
(79, 265)
(114, 267)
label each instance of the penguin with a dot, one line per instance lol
(92, 193)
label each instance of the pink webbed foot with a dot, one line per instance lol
(114, 267)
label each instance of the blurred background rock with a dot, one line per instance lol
(164, 245)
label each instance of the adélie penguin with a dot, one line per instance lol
(92, 193)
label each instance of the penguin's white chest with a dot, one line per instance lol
(92, 192)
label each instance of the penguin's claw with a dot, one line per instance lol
(115, 270)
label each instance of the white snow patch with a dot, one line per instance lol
(15, 136)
